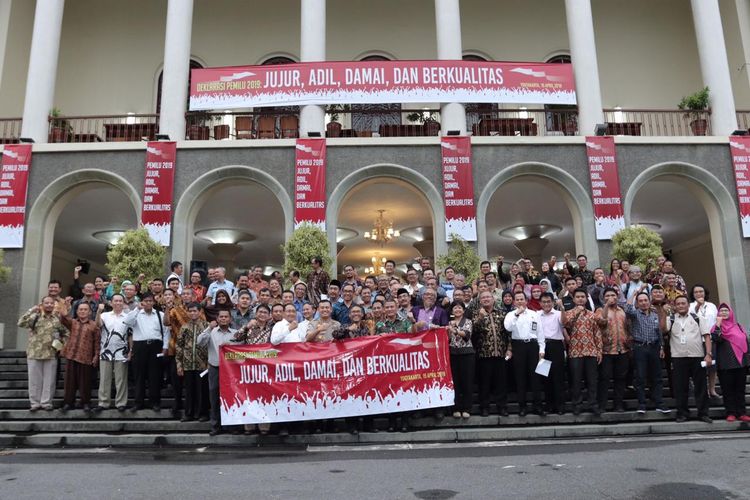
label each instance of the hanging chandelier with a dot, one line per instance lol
(378, 265)
(382, 231)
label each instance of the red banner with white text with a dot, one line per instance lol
(740, 149)
(458, 188)
(310, 182)
(605, 186)
(374, 82)
(13, 188)
(309, 381)
(158, 188)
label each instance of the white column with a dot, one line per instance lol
(4, 24)
(448, 28)
(712, 53)
(743, 16)
(585, 66)
(40, 79)
(176, 72)
(312, 48)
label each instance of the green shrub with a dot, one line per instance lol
(636, 244)
(134, 254)
(462, 257)
(307, 241)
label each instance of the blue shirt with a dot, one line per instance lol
(644, 326)
(341, 313)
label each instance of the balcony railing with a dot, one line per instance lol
(656, 122)
(103, 128)
(10, 130)
(382, 120)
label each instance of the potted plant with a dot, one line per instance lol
(136, 253)
(428, 119)
(60, 128)
(637, 244)
(307, 241)
(333, 128)
(461, 256)
(696, 104)
(198, 129)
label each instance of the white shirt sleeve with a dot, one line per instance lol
(510, 320)
(539, 331)
(280, 332)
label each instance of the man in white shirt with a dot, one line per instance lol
(220, 284)
(527, 339)
(216, 335)
(554, 351)
(288, 330)
(116, 348)
(177, 269)
(150, 344)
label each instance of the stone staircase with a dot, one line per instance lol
(19, 427)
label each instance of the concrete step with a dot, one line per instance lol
(12, 361)
(12, 368)
(56, 414)
(449, 435)
(12, 354)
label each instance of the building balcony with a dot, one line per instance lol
(371, 121)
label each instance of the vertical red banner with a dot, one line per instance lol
(158, 188)
(14, 184)
(458, 188)
(310, 182)
(605, 186)
(740, 149)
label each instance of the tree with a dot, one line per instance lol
(4, 270)
(636, 244)
(307, 241)
(462, 257)
(136, 253)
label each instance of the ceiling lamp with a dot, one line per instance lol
(224, 236)
(648, 225)
(382, 231)
(524, 232)
(109, 237)
(377, 267)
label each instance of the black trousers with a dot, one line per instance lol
(684, 369)
(462, 368)
(525, 359)
(648, 364)
(554, 385)
(147, 367)
(733, 390)
(176, 382)
(196, 394)
(580, 367)
(614, 366)
(493, 375)
(213, 395)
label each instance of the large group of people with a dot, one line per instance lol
(599, 329)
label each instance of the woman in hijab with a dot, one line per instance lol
(223, 303)
(732, 360)
(535, 303)
(507, 301)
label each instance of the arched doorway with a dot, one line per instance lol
(532, 195)
(388, 203)
(706, 192)
(57, 211)
(238, 198)
(528, 217)
(91, 221)
(239, 224)
(421, 189)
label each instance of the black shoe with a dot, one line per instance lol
(371, 428)
(353, 431)
(404, 428)
(680, 419)
(66, 408)
(522, 412)
(561, 412)
(99, 409)
(187, 418)
(156, 408)
(136, 408)
(440, 415)
(597, 412)
(203, 419)
(86, 409)
(577, 411)
(485, 412)
(620, 409)
(503, 412)
(540, 412)
(706, 419)
(122, 408)
(214, 432)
